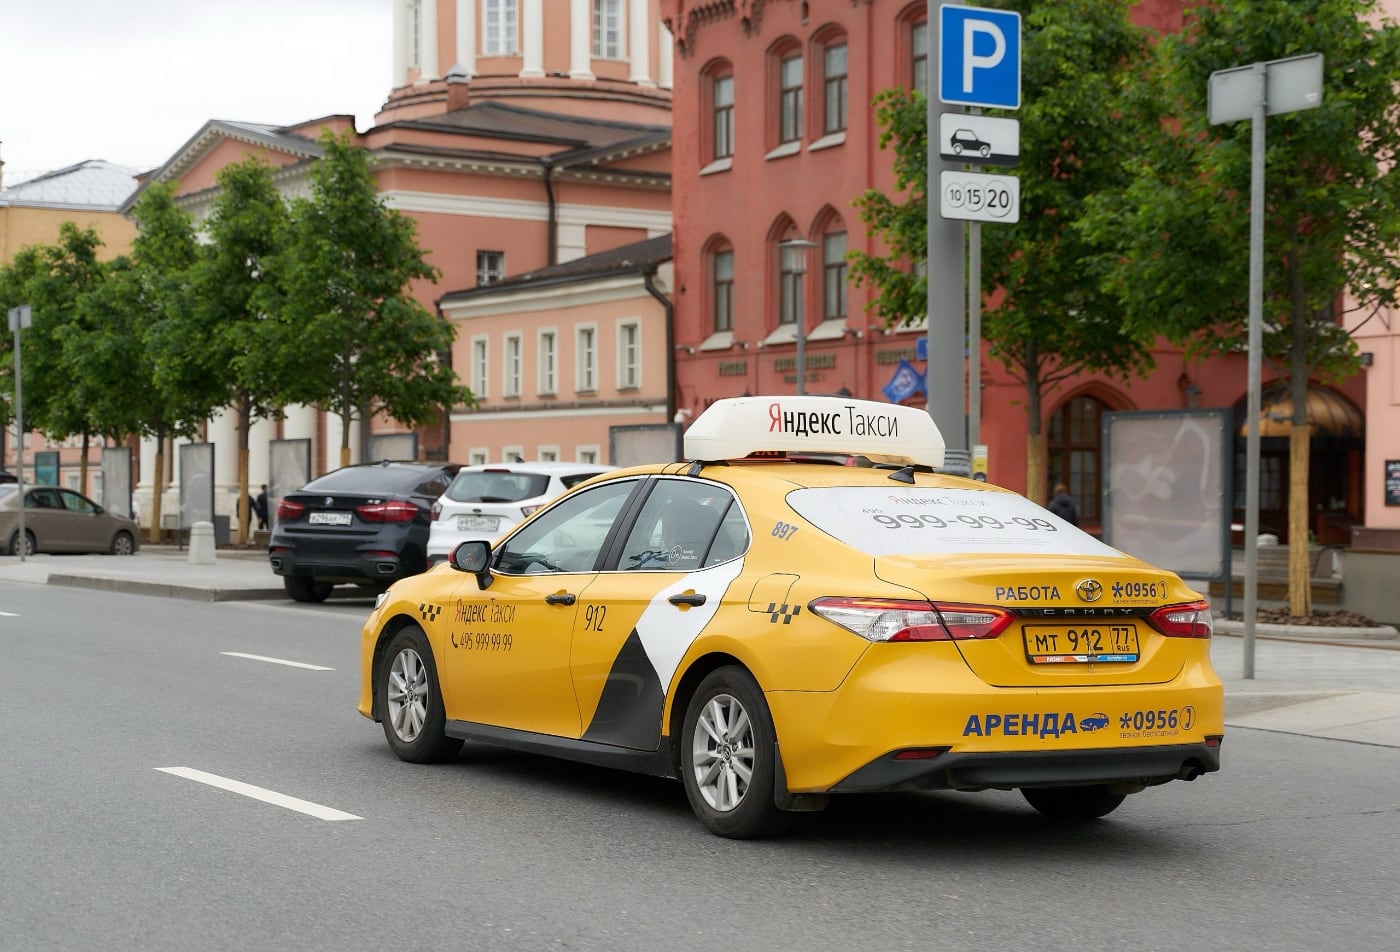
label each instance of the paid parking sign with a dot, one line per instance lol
(979, 57)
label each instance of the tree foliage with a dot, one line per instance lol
(356, 343)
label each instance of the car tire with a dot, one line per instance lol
(302, 588)
(729, 756)
(985, 151)
(1073, 803)
(410, 701)
(31, 545)
(957, 148)
(123, 544)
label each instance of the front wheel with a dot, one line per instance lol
(728, 757)
(410, 701)
(123, 544)
(304, 589)
(1073, 803)
(22, 546)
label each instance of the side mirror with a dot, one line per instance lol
(474, 557)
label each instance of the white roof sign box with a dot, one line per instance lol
(884, 432)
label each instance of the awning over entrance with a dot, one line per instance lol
(1329, 413)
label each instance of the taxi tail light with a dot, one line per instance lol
(1191, 620)
(897, 619)
(287, 510)
(396, 511)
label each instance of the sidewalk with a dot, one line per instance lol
(1342, 684)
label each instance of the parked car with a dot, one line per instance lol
(485, 502)
(964, 140)
(365, 524)
(61, 520)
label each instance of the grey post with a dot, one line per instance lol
(20, 318)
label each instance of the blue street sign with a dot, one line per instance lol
(979, 57)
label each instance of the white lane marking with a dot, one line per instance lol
(259, 793)
(10, 614)
(290, 664)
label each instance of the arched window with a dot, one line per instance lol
(720, 265)
(787, 68)
(1074, 452)
(717, 136)
(829, 53)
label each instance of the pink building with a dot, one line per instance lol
(519, 135)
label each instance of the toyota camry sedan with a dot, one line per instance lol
(773, 630)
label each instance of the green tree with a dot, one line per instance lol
(1332, 212)
(357, 343)
(150, 370)
(232, 281)
(1081, 125)
(53, 279)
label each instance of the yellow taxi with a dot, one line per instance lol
(773, 631)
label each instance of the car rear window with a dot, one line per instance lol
(370, 480)
(911, 520)
(497, 486)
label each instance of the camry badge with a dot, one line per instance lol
(1089, 589)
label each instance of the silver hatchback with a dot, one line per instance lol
(485, 502)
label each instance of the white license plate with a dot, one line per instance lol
(329, 519)
(478, 523)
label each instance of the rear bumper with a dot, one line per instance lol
(1129, 767)
(350, 567)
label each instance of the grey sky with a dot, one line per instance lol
(131, 80)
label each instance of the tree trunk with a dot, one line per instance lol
(83, 465)
(1035, 468)
(157, 483)
(1299, 569)
(345, 421)
(241, 511)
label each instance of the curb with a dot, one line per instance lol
(1309, 632)
(166, 590)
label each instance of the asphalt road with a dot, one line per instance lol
(1292, 845)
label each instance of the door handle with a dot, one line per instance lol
(563, 598)
(696, 600)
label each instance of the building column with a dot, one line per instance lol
(223, 433)
(639, 43)
(466, 37)
(401, 44)
(667, 48)
(428, 43)
(299, 422)
(531, 28)
(580, 40)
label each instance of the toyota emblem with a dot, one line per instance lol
(1089, 589)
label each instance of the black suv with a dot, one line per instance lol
(365, 524)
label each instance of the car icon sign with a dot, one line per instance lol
(964, 140)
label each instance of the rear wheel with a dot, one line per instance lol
(304, 589)
(410, 701)
(1073, 803)
(123, 544)
(25, 546)
(729, 755)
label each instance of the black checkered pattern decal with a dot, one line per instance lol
(784, 611)
(428, 611)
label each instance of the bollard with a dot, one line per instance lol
(202, 543)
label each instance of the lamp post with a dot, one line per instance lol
(795, 261)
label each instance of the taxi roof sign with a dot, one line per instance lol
(737, 427)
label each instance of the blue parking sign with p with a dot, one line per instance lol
(979, 57)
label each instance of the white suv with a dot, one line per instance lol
(486, 502)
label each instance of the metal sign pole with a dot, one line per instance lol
(20, 318)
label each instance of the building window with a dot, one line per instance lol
(723, 264)
(547, 454)
(548, 368)
(1073, 446)
(918, 46)
(608, 29)
(513, 454)
(629, 355)
(723, 93)
(481, 366)
(790, 98)
(510, 379)
(586, 454)
(478, 456)
(834, 276)
(490, 267)
(498, 28)
(788, 287)
(586, 360)
(834, 63)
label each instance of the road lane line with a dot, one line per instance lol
(290, 664)
(260, 793)
(10, 614)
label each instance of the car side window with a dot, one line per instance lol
(75, 503)
(42, 499)
(568, 537)
(676, 528)
(732, 540)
